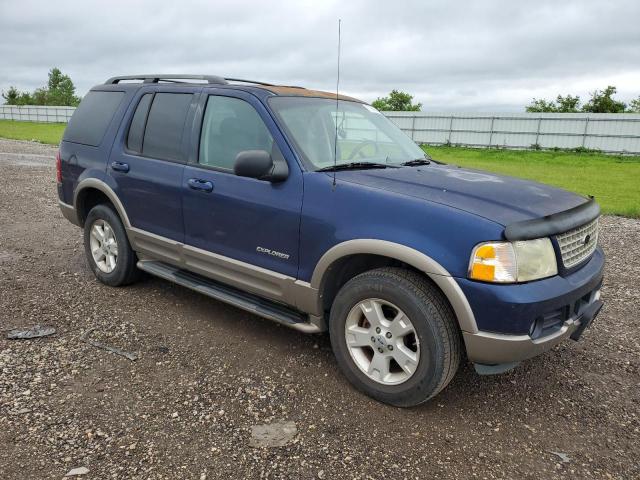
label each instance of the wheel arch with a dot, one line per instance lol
(385, 253)
(91, 189)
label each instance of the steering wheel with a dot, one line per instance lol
(358, 149)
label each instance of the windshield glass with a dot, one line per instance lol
(364, 134)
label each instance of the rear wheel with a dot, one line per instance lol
(107, 247)
(395, 336)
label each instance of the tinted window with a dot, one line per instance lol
(163, 135)
(136, 130)
(230, 126)
(92, 117)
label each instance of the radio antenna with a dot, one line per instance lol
(335, 142)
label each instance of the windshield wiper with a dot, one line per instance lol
(416, 161)
(353, 166)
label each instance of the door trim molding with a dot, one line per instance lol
(251, 278)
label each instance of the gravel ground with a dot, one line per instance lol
(208, 373)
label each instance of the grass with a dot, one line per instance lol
(613, 180)
(37, 132)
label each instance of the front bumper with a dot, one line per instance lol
(517, 322)
(493, 349)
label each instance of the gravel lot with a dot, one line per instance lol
(208, 373)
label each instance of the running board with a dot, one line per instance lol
(246, 301)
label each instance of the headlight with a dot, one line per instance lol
(512, 262)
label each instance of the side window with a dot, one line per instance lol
(165, 123)
(136, 130)
(230, 126)
(91, 119)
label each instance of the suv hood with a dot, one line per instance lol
(499, 198)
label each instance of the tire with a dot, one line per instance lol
(123, 270)
(430, 354)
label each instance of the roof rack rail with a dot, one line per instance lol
(240, 80)
(155, 78)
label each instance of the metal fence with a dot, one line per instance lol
(33, 113)
(607, 132)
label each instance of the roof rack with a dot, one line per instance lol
(176, 78)
(239, 80)
(211, 79)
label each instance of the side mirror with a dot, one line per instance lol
(259, 164)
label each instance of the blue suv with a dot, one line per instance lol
(315, 211)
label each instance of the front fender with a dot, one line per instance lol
(410, 256)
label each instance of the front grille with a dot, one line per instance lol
(578, 244)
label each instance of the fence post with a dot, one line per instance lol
(491, 131)
(584, 134)
(538, 132)
(450, 130)
(413, 126)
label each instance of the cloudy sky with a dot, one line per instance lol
(489, 55)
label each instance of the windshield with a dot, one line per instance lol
(364, 134)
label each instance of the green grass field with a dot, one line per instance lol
(613, 180)
(37, 132)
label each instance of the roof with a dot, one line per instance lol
(303, 92)
(214, 80)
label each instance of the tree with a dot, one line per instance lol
(397, 101)
(541, 106)
(602, 102)
(568, 104)
(11, 97)
(58, 91)
(14, 97)
(634, 106)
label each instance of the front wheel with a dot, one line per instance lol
(395, 336)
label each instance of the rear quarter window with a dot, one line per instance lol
(91, 119)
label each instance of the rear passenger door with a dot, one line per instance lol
(252, 221)
(149, 163)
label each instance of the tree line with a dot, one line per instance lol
(601, 101)
(59, 91)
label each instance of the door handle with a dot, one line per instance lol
(199, 184)
(120, 167)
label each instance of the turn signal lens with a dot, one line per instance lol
(493, 262)
(506, 262)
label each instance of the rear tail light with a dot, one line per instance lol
(58, 168)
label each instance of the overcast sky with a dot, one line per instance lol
(484, 55)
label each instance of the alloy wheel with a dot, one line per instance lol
(382, 341)
(104, 246)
